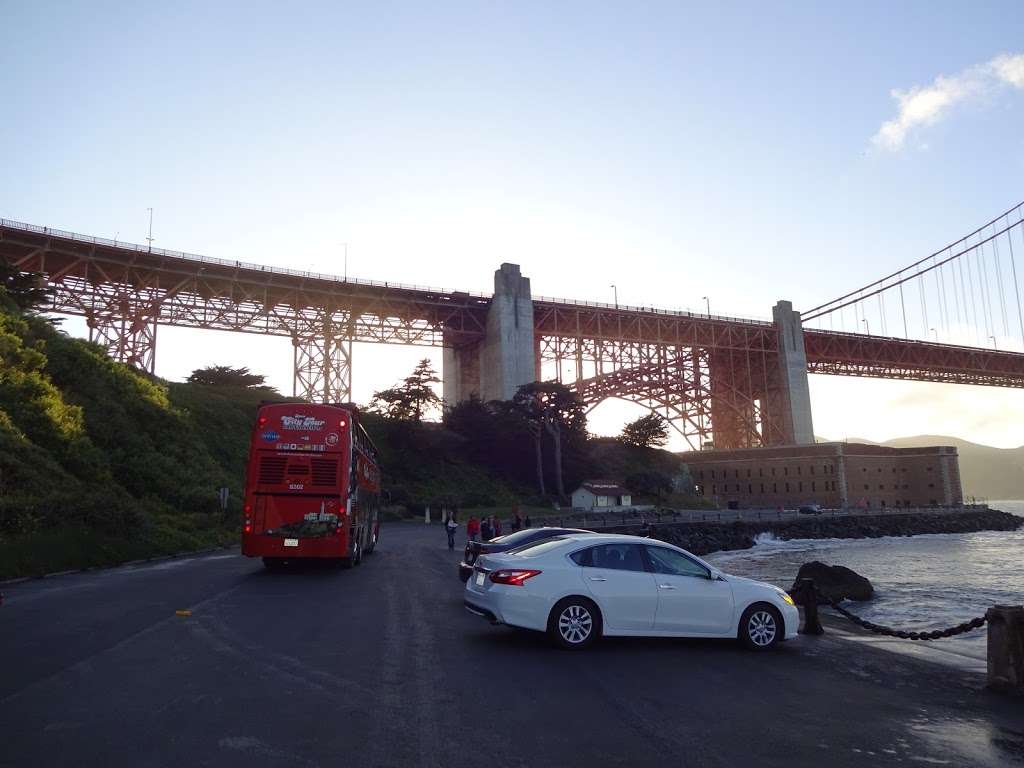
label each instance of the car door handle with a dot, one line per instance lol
(598, 578)
(665, 586)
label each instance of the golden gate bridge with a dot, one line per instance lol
(728, 380)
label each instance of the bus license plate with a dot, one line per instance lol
(479, 578)
(291, 542)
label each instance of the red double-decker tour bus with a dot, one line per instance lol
(312, 486)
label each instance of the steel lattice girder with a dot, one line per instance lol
(177, 289)
(702, 392)
(886, 358)
(212, 295)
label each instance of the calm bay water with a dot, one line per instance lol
(921, 582)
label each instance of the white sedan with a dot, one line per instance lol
(583, 586)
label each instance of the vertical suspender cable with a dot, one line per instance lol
(939, 299)
(963, 289)
(903, 306)
(956, 293)
(924, 304)
(1016, 285)
(999, 282)
(983, 279)
(974, 303)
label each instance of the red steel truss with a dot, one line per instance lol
(714, 378)
(848, 354)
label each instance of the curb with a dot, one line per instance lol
(143, 561)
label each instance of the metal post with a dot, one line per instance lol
(1006, 648)
(808, 594)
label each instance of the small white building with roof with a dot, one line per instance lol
(601, 495)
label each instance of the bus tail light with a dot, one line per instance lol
(342, 423)
(261, 421)
(513, 576)
(247, 527)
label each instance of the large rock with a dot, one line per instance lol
(837, 582)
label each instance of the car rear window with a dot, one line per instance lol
(538, 547)
(518, 538)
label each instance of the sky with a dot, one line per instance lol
(732, 150)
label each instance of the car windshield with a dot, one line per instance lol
(538, 547)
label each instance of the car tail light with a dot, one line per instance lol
(513, 576)
(261, 421)
(247, 528)
(342, 423)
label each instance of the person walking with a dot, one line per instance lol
(517, 521)
(473, 528)
(497, 526)
(526, 522)
(486, 531)
(449, 528)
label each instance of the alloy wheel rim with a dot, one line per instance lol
(575, 624)
(761, 628)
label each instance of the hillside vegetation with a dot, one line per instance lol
(100, 463)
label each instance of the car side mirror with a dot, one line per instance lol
(715, 575)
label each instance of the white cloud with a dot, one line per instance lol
(926, 105)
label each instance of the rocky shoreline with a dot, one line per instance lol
(703, 538)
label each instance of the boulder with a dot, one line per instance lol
(836, 582)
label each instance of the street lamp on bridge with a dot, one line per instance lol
(994, 345)
(867, 325)
(936, 334)
(708, 301)
(616, 289)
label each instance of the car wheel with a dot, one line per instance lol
(574, 623)
(761, 627)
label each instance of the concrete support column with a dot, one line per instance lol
(508, 355)
(795, 391)
(460, 373)
(507, 359)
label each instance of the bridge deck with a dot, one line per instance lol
(96, 278)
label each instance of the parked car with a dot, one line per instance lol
(504, 543)
(809, 509)
(579, 587)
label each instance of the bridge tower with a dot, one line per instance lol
(323, 361)
(791, 399)
(125, 326)
(506, 358)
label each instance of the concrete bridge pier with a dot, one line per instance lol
(505, 359)
(794, 393)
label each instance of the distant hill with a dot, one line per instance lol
(985, 472)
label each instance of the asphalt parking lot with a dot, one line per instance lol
(381, 666)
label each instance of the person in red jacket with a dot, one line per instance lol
(473, 528)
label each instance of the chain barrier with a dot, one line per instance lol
(935, 634)
(881, 629)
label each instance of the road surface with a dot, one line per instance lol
(381, 666)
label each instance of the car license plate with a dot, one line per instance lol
(480, 578)
(291, 542)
